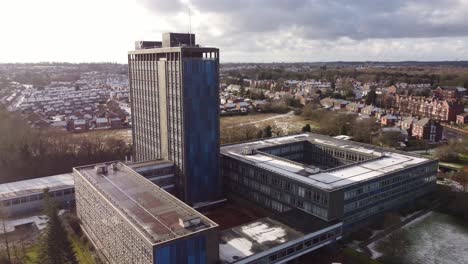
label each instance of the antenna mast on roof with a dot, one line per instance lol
(190, 25)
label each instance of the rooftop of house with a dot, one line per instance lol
(151, 210)
(422, 122)
(381, 161)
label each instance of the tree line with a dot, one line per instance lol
(27, 153)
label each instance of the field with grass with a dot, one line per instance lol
(125, 134)
(288, 123)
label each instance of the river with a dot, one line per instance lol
(437, 239)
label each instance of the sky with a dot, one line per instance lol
(244, 30)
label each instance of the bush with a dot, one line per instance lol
(354, 257)
(279, 108)
(361, 234)
(447, 154)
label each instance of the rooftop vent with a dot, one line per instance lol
(312, 169)
(101, 169)
(189, 221)
(248, 151)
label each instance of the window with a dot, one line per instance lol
(299, 247)
(273, 257)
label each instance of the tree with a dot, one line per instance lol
(248, 132)
(362, 130)
(371, 97)
(394, 247)
(306, 128)
(55, 246)
(390, 139)
(446, 153)
(462, 178)
(311, 111)
(267, 131)
(5, 240)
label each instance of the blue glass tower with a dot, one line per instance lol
(175, 113)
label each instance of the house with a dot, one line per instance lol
(462, 119)
(369, 110)
(407, 124)
(433, 108)
(260, 105)
(392, 89)
(388, 120)
(63, 125)
(115, 122)
(80, 125)
(448, 92)
(102, 122)
(354, 107)
(230, 106)
(427, 129)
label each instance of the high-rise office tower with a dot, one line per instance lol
(174, 91)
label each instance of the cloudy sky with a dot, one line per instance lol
(244, 30)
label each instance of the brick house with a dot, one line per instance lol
(388, 120)
(433, 108)
(427, 129)
(462, 119)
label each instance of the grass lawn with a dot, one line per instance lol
(456, 166)
(83, 255)
(32, 255)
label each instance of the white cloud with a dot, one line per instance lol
(244, 30)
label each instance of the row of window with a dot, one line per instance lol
(389, 180)
(381, 196)
(257, 190)
(336, 153)
(303, 245)
(385, 206)
(36, 197)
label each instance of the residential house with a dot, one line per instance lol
(433, 108)
(115, 122)
(388, 120)
(427, 129)
(80, 125)
(407, 124)
(102, 122)
(462, 119)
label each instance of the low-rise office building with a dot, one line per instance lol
(328, 178)
(24, 197)
(131, 220)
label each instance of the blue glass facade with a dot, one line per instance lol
(190, 251)
(201, 126)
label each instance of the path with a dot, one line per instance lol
(291, 113)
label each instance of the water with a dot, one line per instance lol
(438, 239)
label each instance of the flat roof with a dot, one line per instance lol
(253, 238)
(174, 49)
(383, 162)
(151, 163)
(35, 186)
(263, 234)
(151, 210)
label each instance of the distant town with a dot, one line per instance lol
(312, 162)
